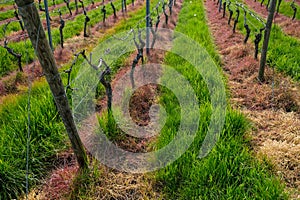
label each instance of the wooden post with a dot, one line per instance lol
(39, 41)
(263, 58)
(148, 27)
(48, 24)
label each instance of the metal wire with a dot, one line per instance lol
(245, 8)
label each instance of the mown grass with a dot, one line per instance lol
(47, 133)
(72, 28)
(283, 50)
(229, 171)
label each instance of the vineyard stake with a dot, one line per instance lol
(148, 27)
(48, 24)
(42, 49)
(266, 41)
(61, 27)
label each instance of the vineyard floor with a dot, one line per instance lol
(289, 26)
(51, 8)
(112, 184)
(272, 107)
(273, 110)
(9, 84)
(55, 20)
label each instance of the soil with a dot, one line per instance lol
(289, 26)
(272, 106)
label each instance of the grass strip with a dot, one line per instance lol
(229, 171)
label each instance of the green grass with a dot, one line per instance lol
(229, 171)
(6, 15)
(47, 131)
(64, 10)
(72, 28)
(46, 139)
(6, 3)
(10, 13)
(283, 50)
(286, 9)
(9, 63)
(14, 26)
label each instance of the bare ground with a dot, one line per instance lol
(272, 107)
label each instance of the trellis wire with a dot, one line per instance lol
(107, 52)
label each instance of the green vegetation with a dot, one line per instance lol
(229, 171)
(10, 13)
(14, 26)
(6, 15)
(9, 63)
(7, 3)
(283, 50)
(282, 53)
(47, 131)
(72, 28)
(46, 139)
(286, 9)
